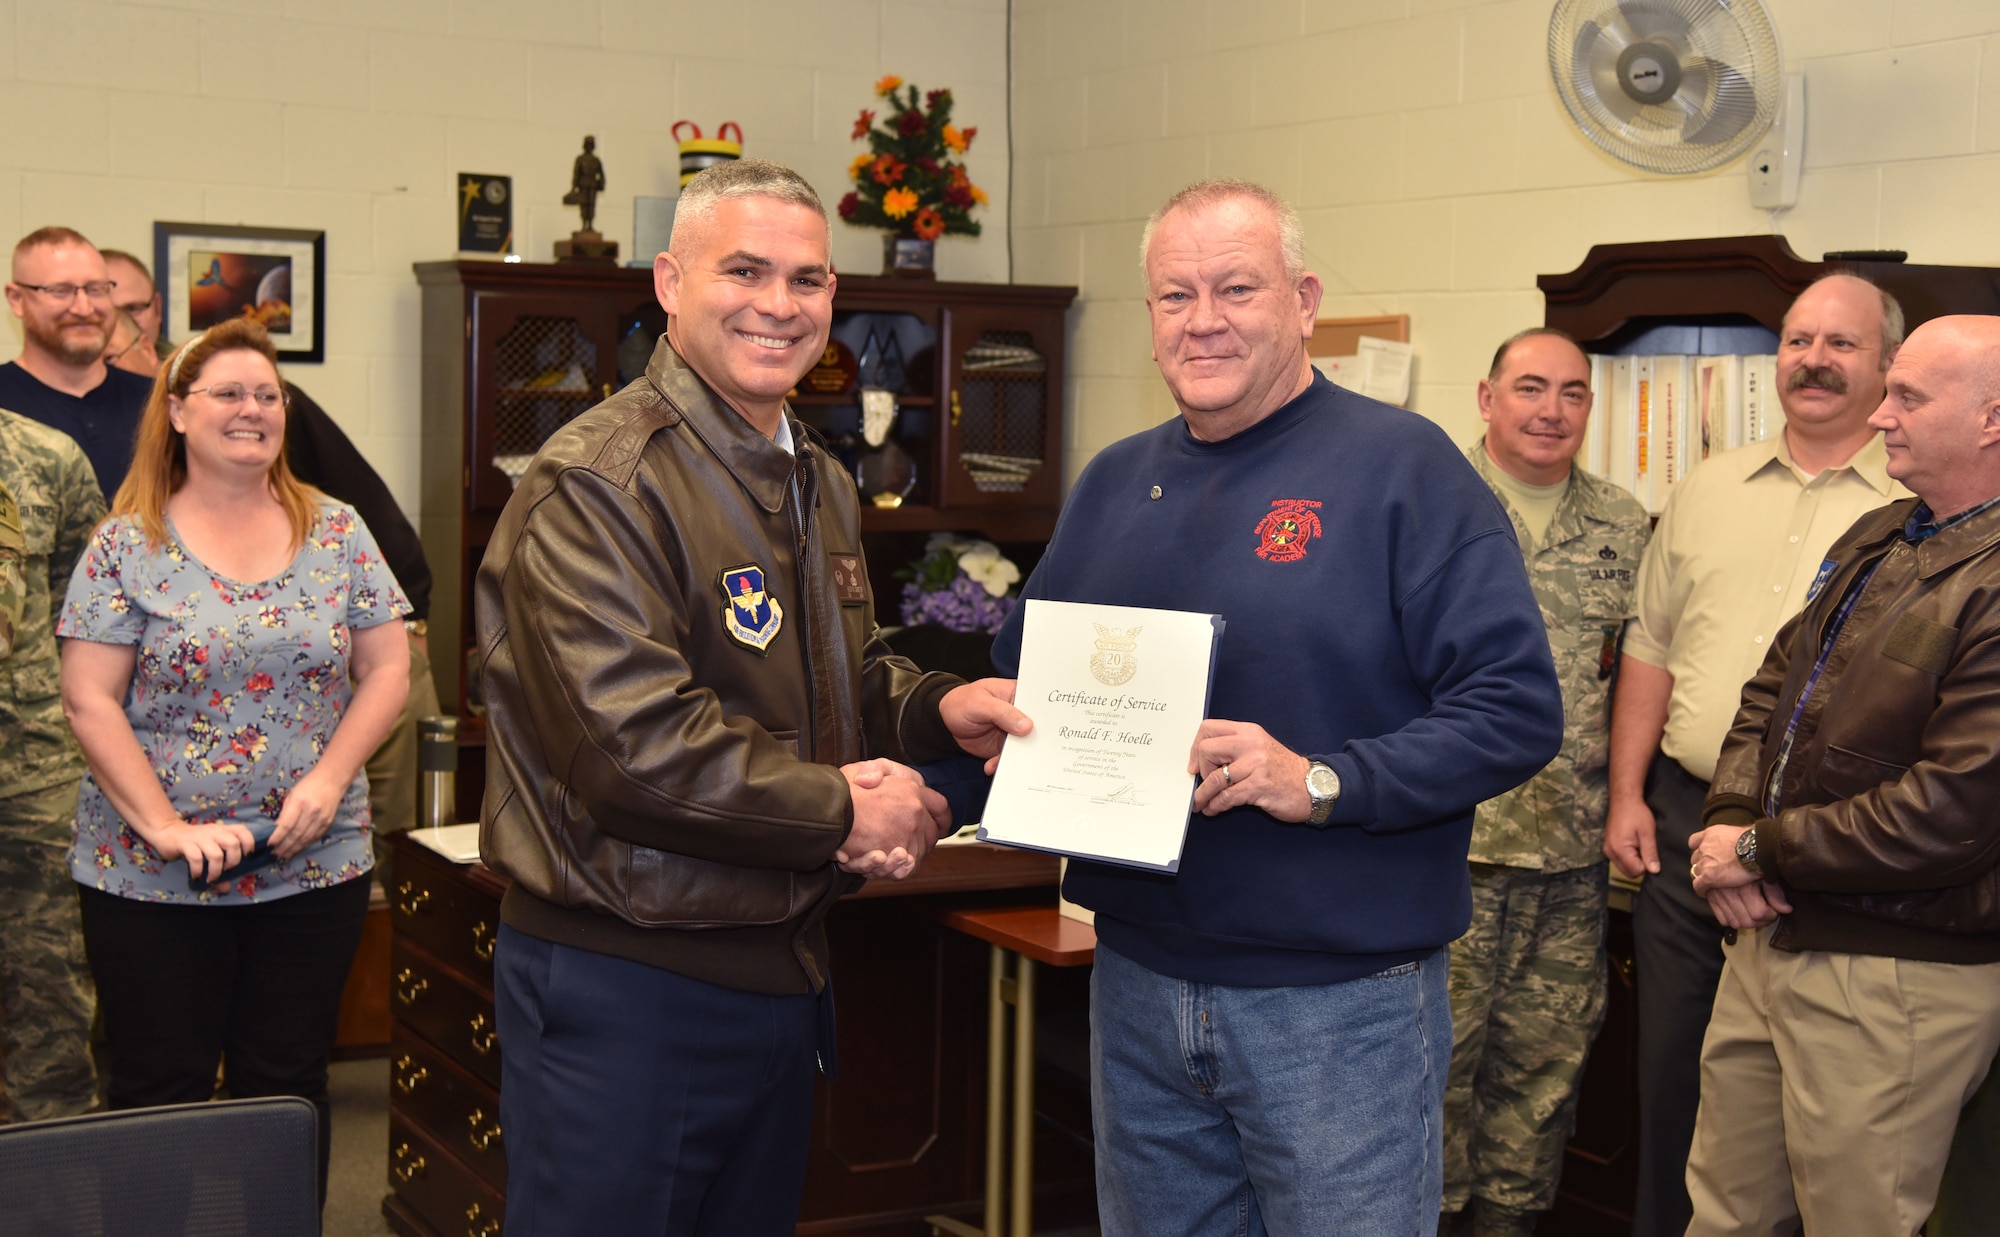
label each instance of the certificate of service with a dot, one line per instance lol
(1117, 694)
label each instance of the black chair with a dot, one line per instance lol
(235, 1168)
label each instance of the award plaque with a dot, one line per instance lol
(834, 375)
(485, 213)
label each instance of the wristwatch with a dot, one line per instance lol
(1323, 784)
(1746, 850)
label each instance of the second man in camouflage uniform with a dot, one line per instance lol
(46, 998)
(1527, 979)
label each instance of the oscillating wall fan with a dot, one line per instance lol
(1671, 86)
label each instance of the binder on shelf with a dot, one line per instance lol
(1596, 451)
(1672, 424)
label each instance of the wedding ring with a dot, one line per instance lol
(1694, 870)
(1226, 779)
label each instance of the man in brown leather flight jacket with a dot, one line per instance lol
(696, 743)
(1857, 804)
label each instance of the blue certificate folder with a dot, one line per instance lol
(1116, 701)
(262, 857)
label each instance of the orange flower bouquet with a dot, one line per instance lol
(911, 181)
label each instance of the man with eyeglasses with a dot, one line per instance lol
(135, 334)
(61, 291)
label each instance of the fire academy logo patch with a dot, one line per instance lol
(751, 616)
(1284, 531)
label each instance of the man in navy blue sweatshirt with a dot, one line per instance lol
(1270, 1030)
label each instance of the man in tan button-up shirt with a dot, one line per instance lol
(1734, 554)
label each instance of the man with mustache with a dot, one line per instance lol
(1734, 556)
(1527, 978)
(61, 291)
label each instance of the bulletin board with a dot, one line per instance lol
(1337, 336)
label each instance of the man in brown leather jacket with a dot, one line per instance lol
(696, 744)
(1857, 804)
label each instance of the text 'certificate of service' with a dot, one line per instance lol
(1117, 694)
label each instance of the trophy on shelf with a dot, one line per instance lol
(586, 181)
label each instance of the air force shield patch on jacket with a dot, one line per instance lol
(1825, 573)
(750, 615)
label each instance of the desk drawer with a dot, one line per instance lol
(444, 1193)
(435, 906)
(444, 1009)
(448, 1104)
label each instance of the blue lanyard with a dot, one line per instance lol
(1773, 782)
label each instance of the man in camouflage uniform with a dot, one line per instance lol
(49, 503)
(1527, 979)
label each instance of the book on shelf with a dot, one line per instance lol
(1654, 419)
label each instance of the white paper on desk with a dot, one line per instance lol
(458, 843)
(1117, 694)
(1385, 369)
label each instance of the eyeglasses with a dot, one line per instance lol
(232, 395)
(99, 290)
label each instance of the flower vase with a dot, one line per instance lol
(905, 257)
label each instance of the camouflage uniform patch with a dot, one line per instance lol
(45, 987)
(1527, 999)
(1527, 979)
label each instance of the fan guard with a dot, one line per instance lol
(1669, 86)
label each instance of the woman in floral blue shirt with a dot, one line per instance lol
(230, 658)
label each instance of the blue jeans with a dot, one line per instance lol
(1244, 1111)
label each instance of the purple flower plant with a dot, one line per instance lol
(962, 605)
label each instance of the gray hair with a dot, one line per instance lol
(1208, 194)
(739, 178)
(1892, 310)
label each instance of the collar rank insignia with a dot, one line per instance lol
(1286, 528)
(750, 615)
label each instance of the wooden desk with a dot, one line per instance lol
(909, 1007)
(1029, 934)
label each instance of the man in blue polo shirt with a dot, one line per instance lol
(61, 292)
(1270, 1027)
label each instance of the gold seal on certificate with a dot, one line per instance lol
(1117, 694)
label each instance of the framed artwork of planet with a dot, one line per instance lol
(208, 273)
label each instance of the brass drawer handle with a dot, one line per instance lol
(957, 409)
(484, 1035)
(481, 1139)
(473, 1226)
(405, 1165)
(483, 939)
(409, 987)
(406, 1077)
(412, 898)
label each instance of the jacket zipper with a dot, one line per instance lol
(804, 604)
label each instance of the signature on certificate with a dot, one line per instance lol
(1126, 794)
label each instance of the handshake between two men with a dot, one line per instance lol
(897, 818)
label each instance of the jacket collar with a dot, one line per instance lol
(760, 466)
(1951, 546)
(1587, 501)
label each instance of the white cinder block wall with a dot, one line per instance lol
(1438, 174)
(356, 115)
